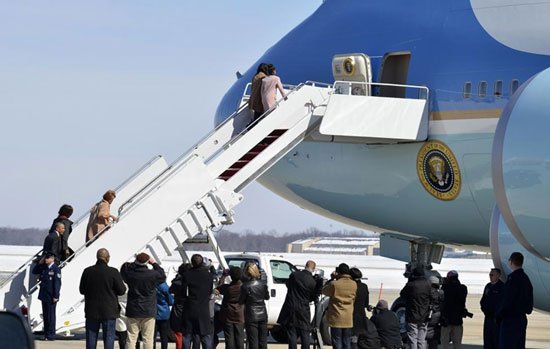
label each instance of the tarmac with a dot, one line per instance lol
(538, 329)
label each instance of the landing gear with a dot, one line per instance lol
(419, 254)
(422, 255)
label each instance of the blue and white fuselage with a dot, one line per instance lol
(451, 43)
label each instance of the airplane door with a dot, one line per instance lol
(394, 70)
(353, 67)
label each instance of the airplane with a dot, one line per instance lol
(421, 120)
(480, 176)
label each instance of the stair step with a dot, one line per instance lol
(258, 148)
(249, 156)
(239, 164)
(229, 172)
(278, 132)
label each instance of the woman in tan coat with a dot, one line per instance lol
(341, 290)
(100, 215)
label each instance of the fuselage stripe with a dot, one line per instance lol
(466, 114)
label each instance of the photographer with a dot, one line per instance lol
(387, 325)
(453, 310)
(295, 316)
(433, 335)
(364, 334)
(341, 289)
(141, 306)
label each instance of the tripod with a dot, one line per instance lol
(315, 332)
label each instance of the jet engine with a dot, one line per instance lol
(521, 166)
(503, 243)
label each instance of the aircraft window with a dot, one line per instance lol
(498, 88)
(514, 85)
(482, 89)
(467, 90)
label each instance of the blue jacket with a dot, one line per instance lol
(164, 301)
(50, 281)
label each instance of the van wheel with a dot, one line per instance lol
(279, 334)
(325, 330)
(398, 307)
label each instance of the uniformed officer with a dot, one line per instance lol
(517, 302)
(490, 301)
(50, 283)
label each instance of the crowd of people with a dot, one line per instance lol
(434, 306)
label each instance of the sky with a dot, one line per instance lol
(91, 90)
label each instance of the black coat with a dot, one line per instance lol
(176, 314)
(416, 294)
(434, 325)
(360, 304)
(369, 339)
(142, 289)
(389, 329)
(302, 289)
(54, 244)
(492, 297)
(196, 287)
(253, 295)
(517, 298)
(454, 304)
(101, 285)
(68, 230)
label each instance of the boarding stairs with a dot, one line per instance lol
(194, 195)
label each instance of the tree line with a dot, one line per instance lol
(270, 241)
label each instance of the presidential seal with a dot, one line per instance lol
(438, 170)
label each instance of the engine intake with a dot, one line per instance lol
(521, 165)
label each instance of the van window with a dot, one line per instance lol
(281, 271)
(482, 89)
(240, 262)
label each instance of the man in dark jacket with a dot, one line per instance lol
(232, 312)
(54, 243)
(453, 310)
(50, 284)
(141, 306)
(433, 335)
(387, 324)
(360, 320)
(416, 294)
(295, 315)
(64, 213)
(197, 285)
(490, 301)
(101, 285)
(517, 302)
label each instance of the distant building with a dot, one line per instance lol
(369, 246)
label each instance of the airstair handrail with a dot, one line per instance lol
(181, 160)
(277, 103)
(350, 83)
(185, 157)
(86, 214)
(124, 183)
